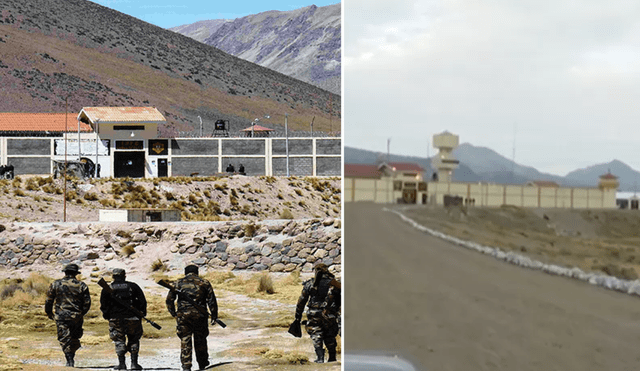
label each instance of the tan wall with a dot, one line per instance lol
(490, 195)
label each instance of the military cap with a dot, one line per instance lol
(321, 267)
(118, 272)
(71, 268)
(191, 269)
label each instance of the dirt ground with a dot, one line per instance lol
(605, 241)
(449, 308)
(236, 197)
(255, 337)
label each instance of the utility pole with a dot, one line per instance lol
(66, 128)
(286, 134)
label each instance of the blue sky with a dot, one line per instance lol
(167, 14)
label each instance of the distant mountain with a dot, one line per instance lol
(493, 167)
(302, 43)
(201, 30)
(483, 164)
(628, 177)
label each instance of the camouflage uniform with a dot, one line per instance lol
(123, 323)
(323, 295)
(71, 301)
(189, 320)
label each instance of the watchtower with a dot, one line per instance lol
(444, 161)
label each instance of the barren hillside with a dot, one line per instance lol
(97, 56)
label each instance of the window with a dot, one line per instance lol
(422, 186)
(397, 185)
(128, 127)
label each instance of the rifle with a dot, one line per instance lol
(185, 296)
(108, 289)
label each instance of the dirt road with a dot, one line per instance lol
(453, 309)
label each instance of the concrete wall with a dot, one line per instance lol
(482, 194)
(186, 156)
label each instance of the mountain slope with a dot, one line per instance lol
(200, 30)
(628, 177)
(97, 56)
(302, 43)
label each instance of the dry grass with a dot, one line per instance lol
(158, 266)
(128, 250)
(265, 284)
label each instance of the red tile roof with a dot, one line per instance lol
(123, 114)
(257, 128)
(361, 171)
(608, 176)
(406, 166)
(40, 122)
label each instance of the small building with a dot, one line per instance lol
(257, 131)
(385, 182)
(140, 215)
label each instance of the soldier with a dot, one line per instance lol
(323, 294)
(124, 324)
(72, 301)
(189, 320)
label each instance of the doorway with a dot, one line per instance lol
(162, 168)
(409, 196)
(128, 164)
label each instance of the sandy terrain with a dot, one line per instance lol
(449, 308)
(237, 197)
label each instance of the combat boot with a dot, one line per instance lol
(320, 354)
(134, 362)
(203, 365)
(69, 357)
(332, 354)
(121, 365)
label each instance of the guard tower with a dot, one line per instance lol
(608, 181)
(444, 161)
(221, 128)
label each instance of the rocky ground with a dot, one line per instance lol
(600, 241)
(41, 199)
(241, 231)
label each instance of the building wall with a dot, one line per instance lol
(184, 156)
(482, 194)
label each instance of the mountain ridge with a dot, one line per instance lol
(304, 43)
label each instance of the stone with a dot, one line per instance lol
(19, 241)
(192, 249)
(287, 242)
(266, 251)
(207, 247)
(320, 253)
(259, 267)
(221, 246)
(93, 255)
(140, 237)
(333, 253)
(233, 260)
(328, 221)
(266, 261)
(290, 267)
(298, 261)
(279, 267)
(224, 256)
(109, 257)
(251, 260)
(174, 249)
(243, 258)
(236, 250)
(210, 255)
(198, 240)
(241, 265)
(199, 261)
